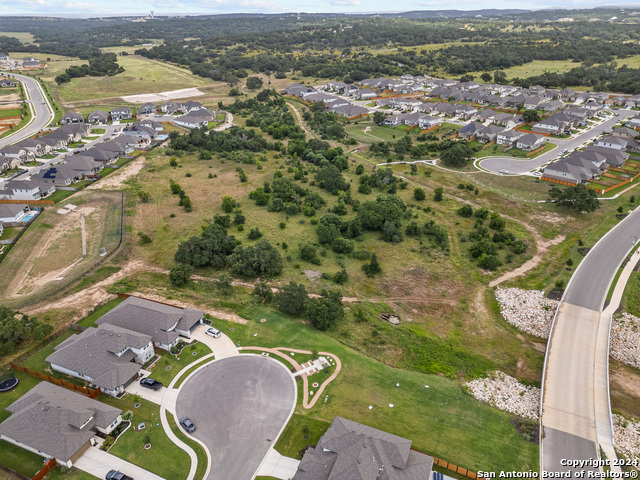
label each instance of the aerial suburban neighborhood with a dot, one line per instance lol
(244, 243)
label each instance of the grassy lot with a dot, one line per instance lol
(25, 383)
(130, 445)
(24, 37)
(20, 460)
(631, 296)
(52, 247)
(60, 195)
(292, 439)
(159, 369)
(89, 321)
(72, 474)
(37, 360)
(499, 150)
(202, 456)
(11, 112)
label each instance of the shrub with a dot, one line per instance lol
(419, 194)
(180, 274)
(465, 211)
(438, 193)
(373, 267)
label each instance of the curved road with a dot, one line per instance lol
(513, 165)
(575, 416)
(239, 405)
(41, 111)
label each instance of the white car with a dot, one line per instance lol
(504, 171)
(214, 332)
(537, 174)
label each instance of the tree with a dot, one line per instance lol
(455, 156)
(292, 299)
(437, 194)
(465, 211)
(419, 194)
(254, 83)
(263, 292)
(577, 198)
(486, 77)
(500, 77)
(378, 117)
(373, 267)
(223, 282)
(180, 274)
(306, 430)
(325, 311)
(489, 262)
(360, 171)
(309, 254)
(531, 116)
(260, 260)
(228, 204)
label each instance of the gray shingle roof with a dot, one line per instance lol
(94, 353)
(152, 318)
(352, 451)
(56, 421)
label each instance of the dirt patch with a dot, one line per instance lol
(416, 286)
(543, 247)
(117, 179)
(10, 106)
(312, 274)
(14, 97)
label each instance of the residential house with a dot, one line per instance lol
(530, 142)
(624, 132)
(553, 125)
(339, 87)
(82, 129)
(350, 450)
(465, 111)
(102, 155)
(12, 212)
(567, 95)
(55, 422)
(16, 155)
(552, 106)
(191, 106)
(365, 94)
(486, 114)
(190, 121)
(137, 130)
(635, 121)
(488, 134)
(614, 158)
(532, 102)
(147, 122)
(582, 114)
(147, 109)
(84, 165)
(296, 90)
(427, 121)
(349, 111)
(64, 136)
(164, 323)
(71, 117)
(618, 143)
(120, 145)
(507, 120)
(384, 102)
(563, 171)
(59, 175)
(120, 113)
(412, 119)
(26, 190)
(171, 107)
(395, 120)
(98, 117)
(109, 357)
(5, 82)
(55, 142)
(516, 100)
(470, 131)
(509, 137)
(36, 146)
(31, 63)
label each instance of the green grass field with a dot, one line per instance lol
(24, 37)
(11, 112)
(159, 369)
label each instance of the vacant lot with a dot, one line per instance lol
(141, 75)
(49, 254)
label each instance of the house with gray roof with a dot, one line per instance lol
(164, 323)
(12, 212)
(470, 131)
(84, 165)
(488, 133)
(171, 107)
(120, 113)
(297, 90)
(59, 175)
(100, 154)
(509, 137)
(530, 142)
(109, 357)
(5, 82)
(349, 111)
(54, 422)
(55, 142)
(191, 121)
(614, 158)
(71, 117)
(14, 152)
(147, 122)
(98, 117)
(147, 109)
(624, 132)
(613, 142)
(352, 451)
(35, 145)
(26, 190)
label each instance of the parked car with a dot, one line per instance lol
(151, 383)
(115, 475)
(187, 425)
(214, 332)
(537, 174)
(504, 171)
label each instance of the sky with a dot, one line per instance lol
(173, 7)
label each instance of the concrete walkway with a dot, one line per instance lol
(278, 466)
(98, 463)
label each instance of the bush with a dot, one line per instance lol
(292, 299)
(228, 204)
(180, 274)
(325, 311)
(438, 193)
(309, 254)
(465, 211)
(263, 292)
(419, 194)
(254, 234)
(373, 267)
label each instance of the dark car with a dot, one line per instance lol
(115, 475)
(151, 383)
(187, 425)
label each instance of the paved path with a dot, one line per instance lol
(98, 463)
(575, 406)
(240, 406)
(278, 466)
(519, 166)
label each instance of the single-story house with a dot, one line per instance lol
(54, 142)
(5, 82)
(635, 121)
(98, 117)
(138, 130)
(552, 106)
(60, 175)
(350, 450)
(349, 111)
(190, 121)
(120, 113)
(12, 212)
(614, 158)
(470, 131)
(624, 132)
(71, 117)
(65, 136)
(509, 137)
(84, 165)
(83, 129)
(365, 94)
(552, 125)
(618, 143)
(297, 89)
(147, 122)
(109, 357)
(147, 109)
(100, 154)
(530, 142)
(164, 323)
(120, 145)
(58, 423)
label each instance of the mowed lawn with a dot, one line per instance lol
(141, 75)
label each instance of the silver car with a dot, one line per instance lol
(214, 332)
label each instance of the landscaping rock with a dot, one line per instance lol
(625, 339)
(527, 310)
(626, 434)
(507, 394)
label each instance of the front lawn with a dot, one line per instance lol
(72, 474)
(98, 131)
(130, 445)
(292, 440)
(176, 362)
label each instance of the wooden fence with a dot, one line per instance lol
(57, 381)
(29, 202)
(536, 151)
(46, 469)
(454, 468)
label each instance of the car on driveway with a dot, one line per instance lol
(151, 383)
(187, 425)
(115, 475)
(214, 332)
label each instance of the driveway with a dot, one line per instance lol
(134, 388)
(221, 347)
(240, 405)
(98, 463)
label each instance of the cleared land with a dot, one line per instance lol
(49, 254)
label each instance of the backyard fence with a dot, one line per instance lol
(454, 468)
(29, 202)
(38, 346)
(57, 381)
(46, 469)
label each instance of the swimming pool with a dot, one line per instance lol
(28, 216)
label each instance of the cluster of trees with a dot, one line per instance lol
(104, 64)
(185, 201)
(16, 329)
(577, 198)
(231, 140)
(329, 125)
(382, 179)
(323, 312)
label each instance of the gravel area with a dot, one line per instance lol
(506, 393)
(626, 436)
(625, 339)
(528, 310)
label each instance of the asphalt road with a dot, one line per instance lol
(43, 111)
(514, 165)
(239, 405)
(571, 377)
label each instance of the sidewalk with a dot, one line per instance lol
(278, 466)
